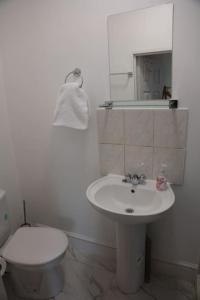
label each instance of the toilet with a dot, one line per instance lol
(34, 257)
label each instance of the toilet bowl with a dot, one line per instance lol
(34, 256)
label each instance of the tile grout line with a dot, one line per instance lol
(153, 158)
(123, 118)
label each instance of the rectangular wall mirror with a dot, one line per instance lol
(140, 54)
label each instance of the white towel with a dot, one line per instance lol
(72, 107)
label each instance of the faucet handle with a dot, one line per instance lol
(135, 179)
(142, 178)
(127, 178)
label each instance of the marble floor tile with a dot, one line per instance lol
(92, 260)
(164, 287)
(91, 281)
(101, 284)
(89, 278)
(62, 296)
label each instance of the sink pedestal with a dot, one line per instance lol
(130, 256)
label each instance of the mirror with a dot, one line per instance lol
(140, 54)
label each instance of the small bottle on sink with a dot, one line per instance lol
(161, 180)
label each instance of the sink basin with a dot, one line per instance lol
(127, 204)
(131, 207)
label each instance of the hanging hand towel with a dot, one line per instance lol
(72, 107)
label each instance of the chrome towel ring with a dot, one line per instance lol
(76, 73)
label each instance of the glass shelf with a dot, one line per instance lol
(135, 104)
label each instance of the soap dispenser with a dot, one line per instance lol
(161, 180)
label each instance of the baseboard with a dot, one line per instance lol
(85, 238)
(180, 269)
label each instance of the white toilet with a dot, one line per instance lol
(34, 257)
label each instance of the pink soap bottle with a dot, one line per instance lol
(161, 180)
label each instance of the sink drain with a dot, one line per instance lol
(129, 210)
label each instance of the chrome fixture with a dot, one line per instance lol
(132, 103)
(76, 73)
(134, 179)
(129, 74)
(107, 105)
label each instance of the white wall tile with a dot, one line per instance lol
(174, 160)
(134, 156)
(111, 159)
(170, 128)
(110, 126)
(139, 127)
(143, 131)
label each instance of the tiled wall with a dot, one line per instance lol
(141, 140)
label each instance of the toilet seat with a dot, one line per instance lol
(35, 246)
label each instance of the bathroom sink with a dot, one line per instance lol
(129, 204)
(131, 207)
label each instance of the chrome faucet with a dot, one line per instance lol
(134, 179)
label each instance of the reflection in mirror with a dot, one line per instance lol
(153, 76)
(140, 54)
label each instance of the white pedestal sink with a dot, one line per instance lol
(132, 208)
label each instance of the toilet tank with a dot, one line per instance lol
(4, 220)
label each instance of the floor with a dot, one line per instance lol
(87, 278)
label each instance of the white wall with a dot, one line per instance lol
(42, 41)
(8, 173)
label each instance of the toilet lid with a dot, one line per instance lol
(33, 246)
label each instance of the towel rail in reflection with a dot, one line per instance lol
(129, 74)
